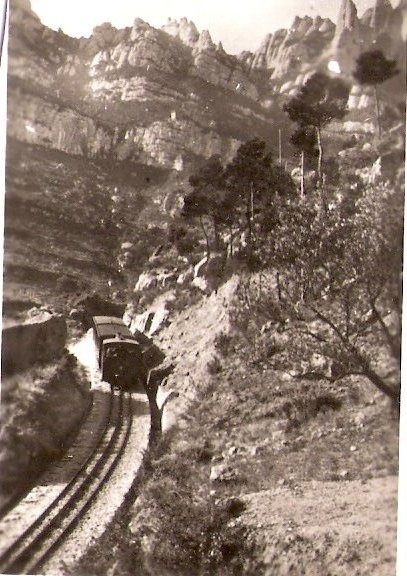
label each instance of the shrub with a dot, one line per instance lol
(224, 344)
(214, 367)
(184, 298)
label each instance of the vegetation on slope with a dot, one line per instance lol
(254, 430)
(63, 228)
(297, 404)
(40, 408)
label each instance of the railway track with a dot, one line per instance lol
(47, 533)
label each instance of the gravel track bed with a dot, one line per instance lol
(57, 477)
(108, 498)
(111, 496)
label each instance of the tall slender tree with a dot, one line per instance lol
(322, 99)
(372, 69)
(254, 180)
(304, 139)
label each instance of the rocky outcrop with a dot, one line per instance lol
(158, 96)
(183, 29)
(311, 43)
(164, 142)
(287, 51)
(177, 48)
(212, 64)
(41, 339)
(347, 18)
(35, 120)
(380, 16)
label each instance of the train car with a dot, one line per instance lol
(120, 355)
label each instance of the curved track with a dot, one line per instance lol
(28, 552)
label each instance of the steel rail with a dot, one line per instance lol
(68, 492)
(124, 434)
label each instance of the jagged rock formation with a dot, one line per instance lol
(158, 95)
(155, 96)
(286, 51)
(289, 56)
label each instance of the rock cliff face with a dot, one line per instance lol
(286, 51)
(155, 96)
(289, 56)
(158, 95)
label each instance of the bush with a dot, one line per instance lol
(224, 344)
(214, 367)
(183, 530)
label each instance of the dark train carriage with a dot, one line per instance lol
(119, 353)
(105, 327)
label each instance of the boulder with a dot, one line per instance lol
(222, 473)
(159, 320)
(200, 283)
(145, 281)
(42, 339)
(141, 322)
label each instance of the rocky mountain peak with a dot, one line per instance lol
(183, 29)
(22, 5)
(347, 17)
(301, 25)
(205, 41)
(104, 35)
(382, 12)
(139, 26)
(285, 51)
(22, 14)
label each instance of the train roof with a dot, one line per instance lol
(107, 320)
(109, 326)
(131, 341)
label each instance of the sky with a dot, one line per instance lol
(239, 25)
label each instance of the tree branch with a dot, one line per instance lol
(359, 358)
(395, 349)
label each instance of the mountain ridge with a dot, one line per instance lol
(157, 95)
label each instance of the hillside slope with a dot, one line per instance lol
(158, 96)
(62, 233)
(261, 473)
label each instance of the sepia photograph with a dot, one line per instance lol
(202, 287)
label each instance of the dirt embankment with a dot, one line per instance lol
(189, 342)
(41, 339)
(41, 407)
(260, 473)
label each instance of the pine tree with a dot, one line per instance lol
(372, 69)
(321, 100)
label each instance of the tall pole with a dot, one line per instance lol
(279, 147)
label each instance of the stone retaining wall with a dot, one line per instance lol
(42, 339)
